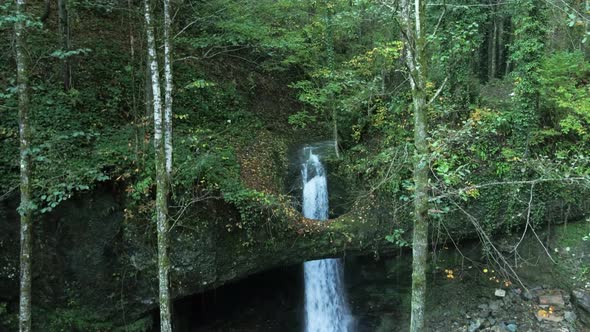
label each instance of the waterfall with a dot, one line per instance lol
(326, 309)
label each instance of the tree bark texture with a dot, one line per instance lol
(493, 48)
(26, 203)
(501, 47)
(507, 69)
(168, 89)
(415, 58)
(162, 188)
(331, 66)
(64, 32)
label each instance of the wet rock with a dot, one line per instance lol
(495, 306)
(570, 316)
(582, 299)
(500, 327)
(491, 322)
(532, 293)
(483, 306)
(474, 325)
(500, 292)
(528, 295)
(495, 328)
(552, 297)
(511, 327)
(508, 300)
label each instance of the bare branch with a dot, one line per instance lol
(442, 86)
(507, 183)
(184, 207)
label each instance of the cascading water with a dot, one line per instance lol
(326, 309)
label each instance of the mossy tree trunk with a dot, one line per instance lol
(501, 47)
(162, 183)
(26, 203)
(168, 89)
(493, 47)
(329, 7)
(64, 32)
(413, 25)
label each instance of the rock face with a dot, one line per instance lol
(90, 258)
(582, 299)
(87, 253)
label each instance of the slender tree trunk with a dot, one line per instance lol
(493, 48)
(510, 40)
(168, 89)
(46, 11)
(416, 61)
(132, 73)
(162, 188)
(501, 47)
(331, 66)
(26, 203)
(586, 18)
(64, 31)
(149, 108)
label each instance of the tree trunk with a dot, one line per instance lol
(149, 109)
(331, 66)
(168, 89)
(509, 42)
(492, 50)
(136, 117)
(162, 188)
(46, 11)
(501, 47)
(416, 61)
(26, 203)
(64, 32)
(586, 19)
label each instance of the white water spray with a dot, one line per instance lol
(326, 309)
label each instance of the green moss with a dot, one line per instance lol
(571, 234)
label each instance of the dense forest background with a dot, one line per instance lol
(508, 91)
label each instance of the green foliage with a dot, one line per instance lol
(8, 16)
(199, 84)
(566, 94)
(141, 325)
(62, 320)
(68, 54)
(302, 119)
(7, 319)
(397, 238)
(79, 318)
(351, 88)
(526, 52)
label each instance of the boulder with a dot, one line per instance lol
(582, 299)
(552, 298)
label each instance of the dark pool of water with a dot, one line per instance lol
(377, 291)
